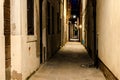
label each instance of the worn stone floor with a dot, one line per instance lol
(70, 63)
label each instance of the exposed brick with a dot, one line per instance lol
(8, 62)
(16, 75)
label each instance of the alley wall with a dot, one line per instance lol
(84, 22)
(108, 30)
(24, 47)
(2, 42)
(51, 27)
(30, 43)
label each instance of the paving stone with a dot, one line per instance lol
(70, 63)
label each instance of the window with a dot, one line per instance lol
(30, 17)
(52, 20)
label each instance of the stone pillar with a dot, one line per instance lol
(2, 42)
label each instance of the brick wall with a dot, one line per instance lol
(7, 37)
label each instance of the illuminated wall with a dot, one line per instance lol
(108, 30)
(2, 42)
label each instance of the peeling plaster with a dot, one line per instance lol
(16, 76)
(13, 29)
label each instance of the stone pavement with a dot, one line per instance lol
(70, 63)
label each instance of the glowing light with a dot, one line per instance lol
(74, 16)
(80, 26)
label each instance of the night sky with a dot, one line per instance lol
(75, 7)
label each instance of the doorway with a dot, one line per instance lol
(95, 36)
(7, 38)
(41, 44)
(73, 33)
(48, 29)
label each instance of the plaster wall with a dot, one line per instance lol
(24, 48)
(2, 42)
(44, 26)
(84, 10)
(53, 38)
(64, 23)
(30, 44)
(108, 19)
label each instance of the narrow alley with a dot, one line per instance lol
(59, 39)
(70, 63)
